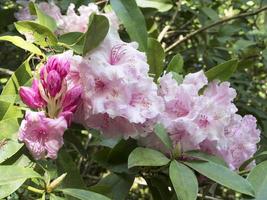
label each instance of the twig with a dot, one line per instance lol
(190, 35)
(100, 2)
(166, 28)
(208, 197)
(6, 71)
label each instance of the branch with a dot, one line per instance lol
(190, 35)
(6, 71)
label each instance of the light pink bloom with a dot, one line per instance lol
(116, 84)
(31, 96)
(43, 136)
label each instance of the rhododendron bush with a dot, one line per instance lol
(97, 88)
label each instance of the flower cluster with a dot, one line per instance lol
(202, 116)
(71, 21)
(55, 98)
(120, 99)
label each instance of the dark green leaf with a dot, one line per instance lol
(133, 20)
(223, 176)
(206, 157)
(84, 194)
(97, 30)
(222, 71)
(155, 57)
(258, 178)
(176, 64)
(160, 131)
(184, 181)
(247, 162)
(65, 164)
(70, 38)
(115, 186)
(146, 157)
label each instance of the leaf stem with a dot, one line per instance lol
(35, 190)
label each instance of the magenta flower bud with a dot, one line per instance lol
(72, 99)
(53, 82)
(31, 96)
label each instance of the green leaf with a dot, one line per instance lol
(8, 110)
(247, 162)
(97, 30)
(133, 20)
(206, 157)
(223, 176)
(146, 157)
(184, 181)
(258, 178)
(222, 71)
(176, 64)
(9, 128)
(20, 78)
(65, 164)
(42, 35)
(160, 131)
(70, 38)
(177, 77)
(14, 173)
(54, 197)
(43, 18)
(155, 57)
(160, 5)
(84, 194)
(8, 148)
(6, 190)
(209, 12)
(21, 43)
(115, 186)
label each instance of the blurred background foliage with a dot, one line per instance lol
(170, 21)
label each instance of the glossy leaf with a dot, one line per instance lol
(146, 157)
(14, 173)
(176, 64)
(84, 194)
(41, 34)
(184, 181)
(206, 157)
(258, 179)
(222, 71)
(97, 30)
(115, 186)
(247, 162)
(160, 131)
(223, 176)
(20, 78)
(9, 128)
(133, 19)
(43, 18)
(21, 43)
(155, 57)
(7, 189)
(8, 148)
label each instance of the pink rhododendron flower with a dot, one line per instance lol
(43, 136)
(31, 96)
(71, 21)
(205, 120)
(116, 84)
